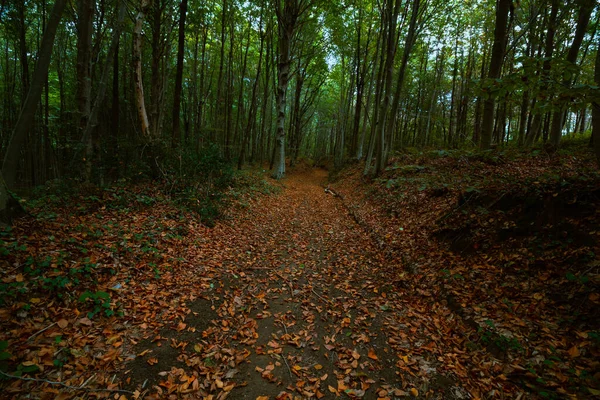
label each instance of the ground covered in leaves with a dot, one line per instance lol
(450, 277)
(508, 243)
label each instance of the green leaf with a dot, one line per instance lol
(84, 296)
(3, 344)
(102, 295)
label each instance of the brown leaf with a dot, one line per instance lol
(574, 352)
(372, 354)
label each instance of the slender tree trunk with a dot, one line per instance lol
(596, 109)
(137, 75)
(283, 70)
(534, 132)
(176, 134)
(27, 115)
(252, 111)
(411, 38)
(108, 64)
(240, 101)
(583, 20)
(23, 58)
(85, 16)
(219, 120)
(287, 19)
(115, 103)
(498, 49)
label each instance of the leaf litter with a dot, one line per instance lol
(303, 294)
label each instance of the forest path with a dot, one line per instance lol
(299, 303)
(313, 290)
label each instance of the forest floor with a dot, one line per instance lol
(375, 290)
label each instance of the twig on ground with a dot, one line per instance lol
(318, 295)
(67, 386)
(40, 331)
(287, 365)
(283, 355)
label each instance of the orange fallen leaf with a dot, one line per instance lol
(152, 361)
(574, 352)
(229, 388)
(372, 354)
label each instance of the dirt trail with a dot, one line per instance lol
(304, 306)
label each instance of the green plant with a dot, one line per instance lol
(4, 354)
(99, 300)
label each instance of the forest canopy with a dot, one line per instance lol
(106, 89)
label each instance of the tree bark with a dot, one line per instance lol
(252, 110)
(596, 110)
(179, 74)
(498, 49)
(27, 115)
(583, 20)
(108, 64)
(137, 75)
(287, 21)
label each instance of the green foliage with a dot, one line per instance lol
(197, 181)
(99, 301)
(4, 354)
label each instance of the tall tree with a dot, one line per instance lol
(288, 15)
(137, 75)
(27, 115)
(85, 16)
(596, 109)
(496, 60)
(179, 73)
(585, 11)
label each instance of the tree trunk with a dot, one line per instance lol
(411, 38)
(287, 21)
(283, 69)
(27, 115)
(98, 101)
(583, 20)
(85, 16)
(498, 48)
(596, 109)
(252, 110)
(179, 74)
(137, 75)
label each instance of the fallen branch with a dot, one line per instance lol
(67, 386)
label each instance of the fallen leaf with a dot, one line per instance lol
(574, 352)
(372, 354)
